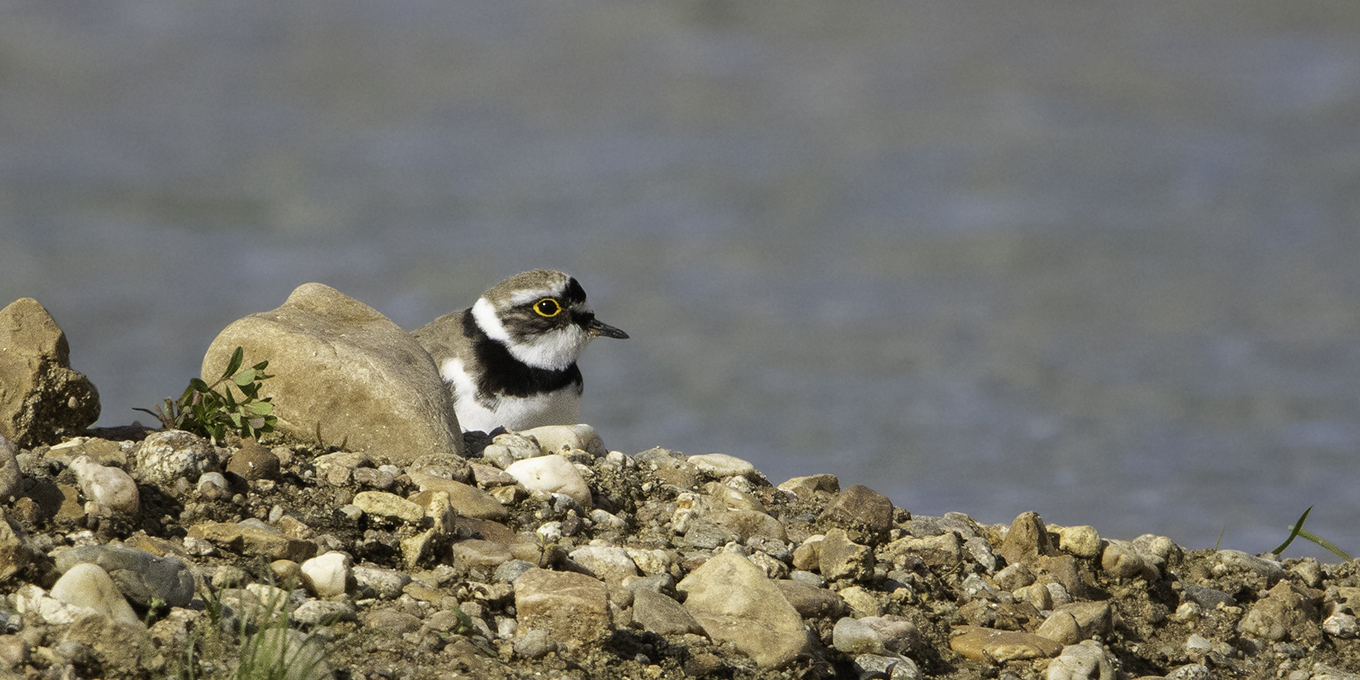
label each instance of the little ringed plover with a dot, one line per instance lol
(510, 360)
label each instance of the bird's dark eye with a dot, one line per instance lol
(547, 307)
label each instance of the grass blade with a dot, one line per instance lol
(1293, 532)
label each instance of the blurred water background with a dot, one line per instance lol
(1096, 260)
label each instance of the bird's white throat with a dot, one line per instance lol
(553, 351)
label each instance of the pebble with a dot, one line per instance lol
(981, 552)
(608, 563)
(321, 612)
(534, 644)
(807, 487)
(1197, 671)
(552, 474)
(10, 474)
(662, 615)
(510, 570)
(1207, 598)
(443, 466)
(213, 486)
(1235, 560)
(253, 541)
(1061, 627)
(866, 513)
(140, 576)
(489, 476)
(1013, 577)
(253, 462)
(389, 505)
(842, 558)
(554, 438)
(385, 584)
(1286, 613)
(838, 567)
(1080, 541)
(898, 632)
(374, 478)
(286, 572)
(941, 551)
(861, 600)
(1036, 594)
(734, 602)
(1342, 626)
(572, 607)
(1084, 661)
(1002, 645)
(722, 465)
(89, 587)
(507, 449)
(811, 600)
(1121, 561)
(902, 667)
(469, 501)
(1026, 540)
(326, 575)
(165, 457)
(109, 489)
(650, 561)
(855, 638)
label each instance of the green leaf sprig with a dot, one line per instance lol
(206, 412)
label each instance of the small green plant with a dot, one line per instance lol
(206, 412)
(265, 647)
(1297, 530)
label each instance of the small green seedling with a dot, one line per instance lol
(204, 411)
(1297, 530)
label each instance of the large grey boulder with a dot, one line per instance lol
(342, 365)
(42, 400)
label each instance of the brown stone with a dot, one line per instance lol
(254, 462)
(842, 558)
(486, 529)
(865, 513)
(118, 648)
(734, 602)
(343, 368)
(944, 551)
(469, 501)
(15, 554)
(810, 601)
(980, 644)
(573, 608)
(1027, 540)
(1288, 612)
(42, 400)
(806, 488)
(254, 541)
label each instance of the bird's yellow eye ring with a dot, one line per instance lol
(547, 307)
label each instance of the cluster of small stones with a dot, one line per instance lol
(545, 555)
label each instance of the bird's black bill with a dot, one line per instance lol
(599, 328)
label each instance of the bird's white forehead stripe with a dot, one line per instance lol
(484, 313)
(524, 297)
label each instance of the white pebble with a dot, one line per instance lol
(88, 586)
(722, 465)
(1342, 626)
(326, 575)
(552, 474)
(109, 488)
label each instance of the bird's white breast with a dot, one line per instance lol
(562, 407)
